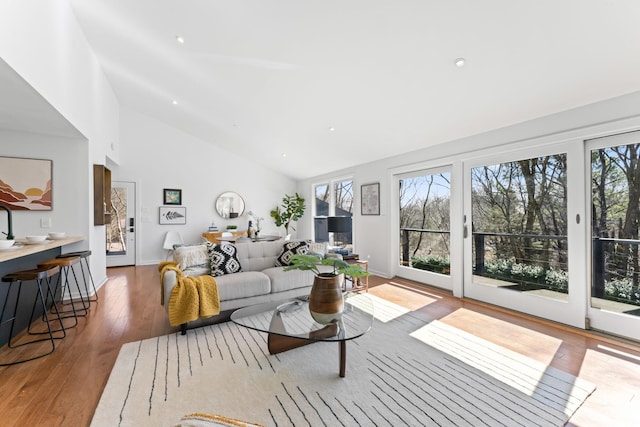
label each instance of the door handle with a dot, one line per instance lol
(465, 233)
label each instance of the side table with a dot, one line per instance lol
(358, 284)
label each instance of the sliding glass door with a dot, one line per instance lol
(614, 169)
(552, 230)
(518, 232)
(424, 226)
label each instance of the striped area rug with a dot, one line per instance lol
(405, 371)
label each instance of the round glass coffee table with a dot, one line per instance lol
(289, 324)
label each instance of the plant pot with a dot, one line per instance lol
(326, 303)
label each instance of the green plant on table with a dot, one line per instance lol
(311, 263)
(292, 210)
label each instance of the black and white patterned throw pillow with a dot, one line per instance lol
(290, 249)
(224, 259)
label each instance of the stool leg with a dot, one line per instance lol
(93, 285)
(44, 309)
(54, 307)
(86, 304)
(67, 287)
(63, 288)
(15, 309)
(51, 338)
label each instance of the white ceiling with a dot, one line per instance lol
(24, 109)
(265, 78)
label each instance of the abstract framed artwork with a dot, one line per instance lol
(173, 215)
(25, 184)
(370, 199)
(172, 197)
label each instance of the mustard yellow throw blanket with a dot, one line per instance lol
(191, 297)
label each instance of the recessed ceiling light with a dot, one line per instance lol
(459, 62)
(180, 39)
(331, 129)
(174, 102)
(284, 154)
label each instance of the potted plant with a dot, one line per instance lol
(292, 210)
(326, 302)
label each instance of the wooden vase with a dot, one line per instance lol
(326, 303)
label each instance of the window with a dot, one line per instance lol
(333, 199)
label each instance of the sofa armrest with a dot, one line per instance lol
(168, 283)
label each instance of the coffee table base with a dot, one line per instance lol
(279, 343)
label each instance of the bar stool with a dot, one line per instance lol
(66, 266)
(37, 275)
(84, 255)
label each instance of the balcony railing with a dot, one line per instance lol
(615, 270)
(405, 242)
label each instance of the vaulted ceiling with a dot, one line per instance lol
(306, 86)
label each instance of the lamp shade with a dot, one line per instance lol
(339, 224)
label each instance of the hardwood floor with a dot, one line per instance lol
(63, 389)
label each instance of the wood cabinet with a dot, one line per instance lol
(101, 195)
(214, 237)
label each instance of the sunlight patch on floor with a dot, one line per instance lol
(405, 296)
(621, 353)
(540, 346)
(383, 310)
(489, 358)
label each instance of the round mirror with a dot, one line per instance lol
(229, 205)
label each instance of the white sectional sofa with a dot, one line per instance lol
(260, 279)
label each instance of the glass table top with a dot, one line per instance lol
(291, 318)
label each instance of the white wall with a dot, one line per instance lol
(374, 235)
(70, 187)
(158, 156)
(43, 42)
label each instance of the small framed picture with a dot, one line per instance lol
(370, 199)
(173, 215)
(172, 197)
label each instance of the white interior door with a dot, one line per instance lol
(121, 231)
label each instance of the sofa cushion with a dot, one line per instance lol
(285, 280)
(196, 271)
(319, 248)
(191, 256)
(258, 256)
(290, 249)
(224, 259)
(242, 285)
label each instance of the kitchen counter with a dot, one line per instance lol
(21, 249)
(26, 257)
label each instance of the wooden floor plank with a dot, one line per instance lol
(64, 388)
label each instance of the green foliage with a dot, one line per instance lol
(311, 263)
(527, 275)
(503, 269)
(435, 263)
(292, 210)
(622, 290)
(557, 280)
